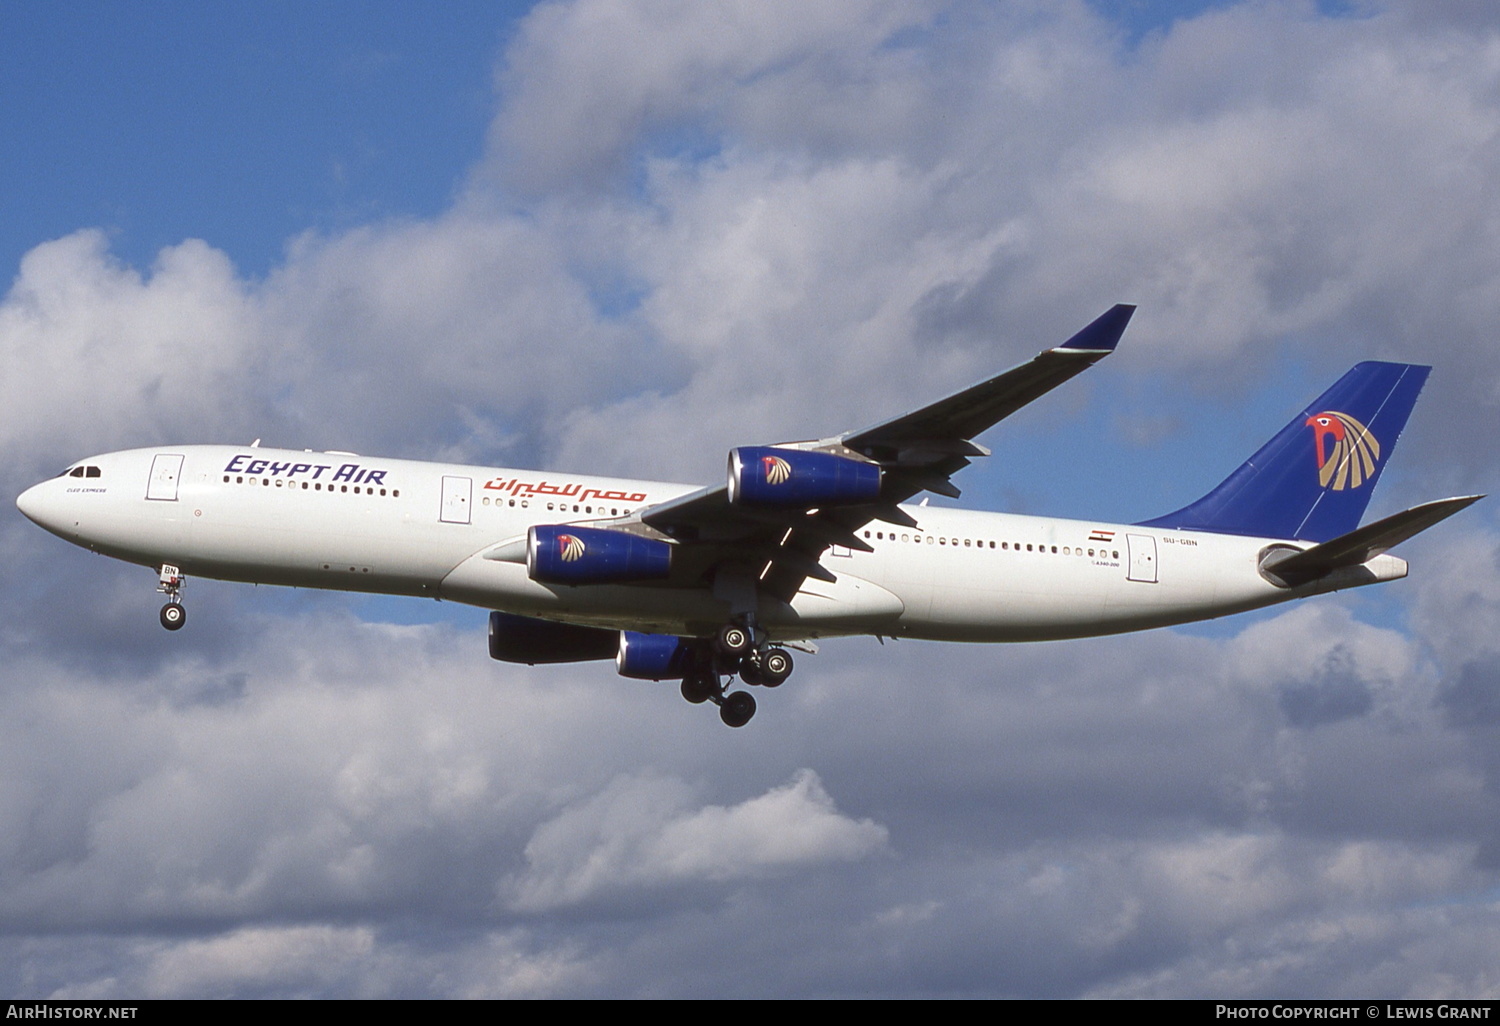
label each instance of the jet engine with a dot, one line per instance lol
(523, 639)
(765, 476)
(654, 656)
(562, 554)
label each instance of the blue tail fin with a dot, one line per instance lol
(1314, 479)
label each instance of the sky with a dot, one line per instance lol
(622, 238)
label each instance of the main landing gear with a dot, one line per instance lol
(736, 649)
(174, 613)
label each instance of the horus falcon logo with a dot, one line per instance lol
(778, 470)
(571, 547)
(1347, 452)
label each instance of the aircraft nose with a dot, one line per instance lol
(35, 503)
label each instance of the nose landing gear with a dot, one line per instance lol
(174, 613)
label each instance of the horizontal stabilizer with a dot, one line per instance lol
(1364, 544)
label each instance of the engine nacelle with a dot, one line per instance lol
(764, 476)
(654, 656)
(522, 639)
(560, 554)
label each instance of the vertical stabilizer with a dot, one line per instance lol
(1313, 480)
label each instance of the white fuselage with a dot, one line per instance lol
(340, 521)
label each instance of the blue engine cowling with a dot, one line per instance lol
(764, 476)
(523, 639)
(654, 656)
(560, 554)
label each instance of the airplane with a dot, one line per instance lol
(802, 541)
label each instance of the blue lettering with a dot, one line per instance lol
(257, 466)
(234, 464)
(375, 477)
(300, 468)
(318, 471)
(346, 472)
(277, 468)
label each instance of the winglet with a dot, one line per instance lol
(1103, 333)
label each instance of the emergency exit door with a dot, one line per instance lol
(1142, 551)
(457, 491)
(165, 470)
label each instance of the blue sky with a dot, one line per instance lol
(245, 123)
(621, 237)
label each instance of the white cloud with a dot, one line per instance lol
(640, 832)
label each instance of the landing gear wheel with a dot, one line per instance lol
(737, 708)
(750, 671)
(775, 667)
(734, 640)
(697, 689)
(173, 616)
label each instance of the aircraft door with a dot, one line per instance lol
(457, 491)
(1142, 551)
(165, 471)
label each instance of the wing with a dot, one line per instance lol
(919, 451)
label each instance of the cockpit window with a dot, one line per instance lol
(90, 471)
(80, 472)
